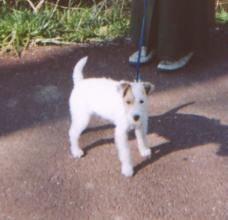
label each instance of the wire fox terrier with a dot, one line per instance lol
(123, 103)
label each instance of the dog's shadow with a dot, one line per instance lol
(182, 130)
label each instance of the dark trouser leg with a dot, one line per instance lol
(183, 27)
(175, 29)
(150, 39)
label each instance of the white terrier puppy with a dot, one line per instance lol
(123, 103)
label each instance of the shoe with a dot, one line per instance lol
(166, 65)
(145, 58)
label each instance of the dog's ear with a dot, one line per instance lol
(149, 88)
(123, 87)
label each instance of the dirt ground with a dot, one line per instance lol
(186, 177)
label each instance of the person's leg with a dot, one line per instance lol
(175, 43)
(150, 33)
(175, 29)
(202, 19)
(136, 19)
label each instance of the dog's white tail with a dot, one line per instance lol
(78, 69)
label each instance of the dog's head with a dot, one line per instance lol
(135, 96)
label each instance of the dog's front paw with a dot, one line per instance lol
(76, 152)
(127, 170)
(145, 153)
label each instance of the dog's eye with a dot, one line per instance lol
(128, 102)
(141, 101)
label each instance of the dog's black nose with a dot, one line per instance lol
(136, 117)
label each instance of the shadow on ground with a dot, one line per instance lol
(183, 131)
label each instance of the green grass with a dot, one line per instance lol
(221, 15)
(21, 27)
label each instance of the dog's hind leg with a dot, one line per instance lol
(78, 125)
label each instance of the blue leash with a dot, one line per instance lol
(141, 41)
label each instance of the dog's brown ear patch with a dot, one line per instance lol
(124, 88)
(149, 88)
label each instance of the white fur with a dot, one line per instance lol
(104, 97)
